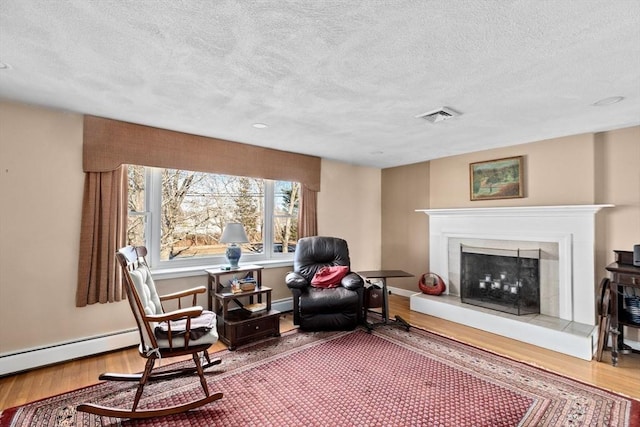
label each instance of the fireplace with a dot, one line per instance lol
(565, 236)
(505, 280)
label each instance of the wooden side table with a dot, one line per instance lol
(215, 276)
(623, 275)
(383, 275)
(237, 325)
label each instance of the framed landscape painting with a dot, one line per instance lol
(497, 179)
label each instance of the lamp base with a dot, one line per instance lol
(233, 254)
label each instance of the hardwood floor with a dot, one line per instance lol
(43, 382)
(623, 379)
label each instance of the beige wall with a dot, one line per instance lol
(556, 172)
(618, 183)
(404, 231)
(349, 208)
(41, 184)
(582, 169)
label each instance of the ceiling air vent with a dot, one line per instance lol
(438, 115)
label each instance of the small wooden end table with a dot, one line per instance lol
(215, 275)
(237, 325)
(384, 275)
(623, 275)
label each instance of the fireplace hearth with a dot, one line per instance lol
(501, 279)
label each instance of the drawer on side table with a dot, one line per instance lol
(239, 328)
(627, 279)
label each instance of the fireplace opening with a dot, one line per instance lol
(506, 280)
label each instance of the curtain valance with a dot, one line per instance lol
(108, 144)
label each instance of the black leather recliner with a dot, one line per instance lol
(314, 309)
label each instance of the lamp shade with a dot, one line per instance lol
(234, 233)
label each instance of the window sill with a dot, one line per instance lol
(176, 273)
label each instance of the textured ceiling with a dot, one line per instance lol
(342, 80)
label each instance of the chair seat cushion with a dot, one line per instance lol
(211, 337)
(328, 300)
(200, 326)
(203, 331)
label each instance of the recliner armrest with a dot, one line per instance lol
(352, 281)
(295, 280)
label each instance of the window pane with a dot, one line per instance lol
(248, 210)
(285, 216)
(197, 205)
(187, 212)
(136, 216)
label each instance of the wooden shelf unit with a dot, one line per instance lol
(237, 325)
(623, 275)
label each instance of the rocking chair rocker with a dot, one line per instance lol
(185, 331)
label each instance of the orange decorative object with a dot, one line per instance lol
(431, 284)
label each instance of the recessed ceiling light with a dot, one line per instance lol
(608, 101)
(260, 125)
(4, 66)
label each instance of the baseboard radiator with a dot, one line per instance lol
(38, 357)
(25, 360)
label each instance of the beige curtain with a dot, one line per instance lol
(102, 233)
(307, 214)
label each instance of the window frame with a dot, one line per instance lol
(152, 230)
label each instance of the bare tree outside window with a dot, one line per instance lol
(248, 209)
(136, 208)
(195, 206)
(285, 218)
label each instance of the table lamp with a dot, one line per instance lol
(233, 234)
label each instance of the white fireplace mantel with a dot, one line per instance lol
(548, 211)
(572, 227)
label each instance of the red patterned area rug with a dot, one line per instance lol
(388, 378)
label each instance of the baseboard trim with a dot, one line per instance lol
(286, 304)
(25, 360)
(14, 363)
(63, 352)
(283, 305)
(400, 291)
(34, 358)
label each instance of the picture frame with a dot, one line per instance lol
(497, 179)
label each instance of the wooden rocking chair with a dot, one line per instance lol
(185, 331)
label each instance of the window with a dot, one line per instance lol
(179, 215)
